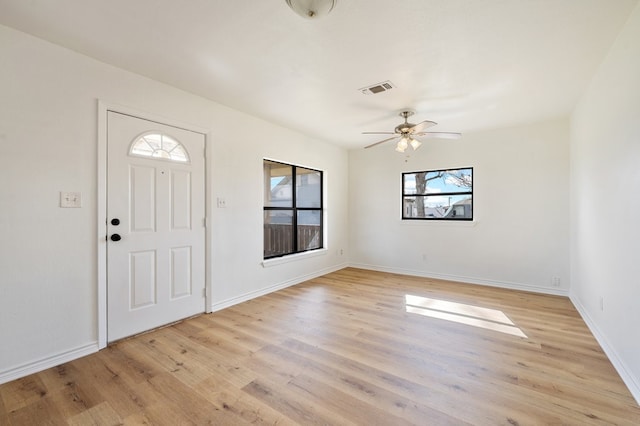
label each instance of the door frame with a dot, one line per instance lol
(103, 108)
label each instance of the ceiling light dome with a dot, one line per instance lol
(312, 9)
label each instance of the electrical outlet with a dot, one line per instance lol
(602, 303)
(555, 281)
(222, 203)
(70, 199)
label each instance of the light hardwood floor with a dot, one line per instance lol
(353, 347)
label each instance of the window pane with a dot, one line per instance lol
(153, 140)
(175, 150)
(309, 230)
(438, 181)
(278, 232)
(169, 143)
(438, 207)
(308, 187)
(278, 184)
(460, 209)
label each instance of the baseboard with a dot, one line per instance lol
(48, 362)
(470, 280)
(632, 382)
(217, 306)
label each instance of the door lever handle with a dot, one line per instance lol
(115, 237)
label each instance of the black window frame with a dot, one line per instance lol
(439, 194)
(294, 209)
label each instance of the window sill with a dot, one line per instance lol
(293, 257)
(454, 223)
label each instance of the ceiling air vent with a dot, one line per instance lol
(377, 88)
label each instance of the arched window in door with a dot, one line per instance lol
(159, 146)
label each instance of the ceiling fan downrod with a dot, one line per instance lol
(404, 127)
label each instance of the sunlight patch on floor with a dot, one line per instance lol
(476, 316)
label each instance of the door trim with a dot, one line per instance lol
(103, 108)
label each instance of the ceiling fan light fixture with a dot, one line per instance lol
(312, 9)
(415, 144)
(402, 144)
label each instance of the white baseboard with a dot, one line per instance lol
(632, 382)
(470, 280)
(48, 362)
(217, 306)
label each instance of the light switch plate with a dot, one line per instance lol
(70, 199)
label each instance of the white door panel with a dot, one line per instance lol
(155, 272)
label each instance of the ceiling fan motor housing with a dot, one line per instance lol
(404, 127)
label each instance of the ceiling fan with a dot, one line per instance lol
(408, 131)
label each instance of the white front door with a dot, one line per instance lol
(155, 224)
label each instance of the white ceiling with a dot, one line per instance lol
(466, 64)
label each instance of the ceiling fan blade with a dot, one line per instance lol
(382, 141)
(378, 133)
(439, 135)
(422, 126)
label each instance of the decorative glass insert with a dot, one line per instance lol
(161, 146)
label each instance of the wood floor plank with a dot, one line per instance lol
(236, 405)
(20, 393)
(299, 408)
(42, 412)
(112, 384)
(349, 348)
(4, 413)
(101, 414)
(442, 394)
(393, 405)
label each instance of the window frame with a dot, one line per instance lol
(439, 194)
(294, 209)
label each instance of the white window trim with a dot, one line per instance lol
(437, 223)
(293, 257)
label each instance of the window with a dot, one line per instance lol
(438, 195)
(159, 146)
(292, 209)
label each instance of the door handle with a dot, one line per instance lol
(115, 221)
(115, 237)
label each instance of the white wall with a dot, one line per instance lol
(48, 141)
(605, 204)
(520, 235)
